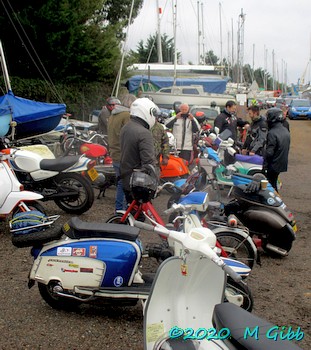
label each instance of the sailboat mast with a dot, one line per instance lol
(174, 29)
(159, 44)
(4, 70)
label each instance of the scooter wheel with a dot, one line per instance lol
(37, 238)
(240, 288)
(55, 301)
(116, 219)
(32, 205)
(237, 247)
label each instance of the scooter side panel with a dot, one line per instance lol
(117, 259)
(70, 271)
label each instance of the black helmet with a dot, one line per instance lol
(274, 115)
(143, 186)
(176, 106)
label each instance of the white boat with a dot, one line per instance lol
(190, 94)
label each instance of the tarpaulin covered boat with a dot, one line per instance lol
(32, 117)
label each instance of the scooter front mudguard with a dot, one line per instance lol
(97, 263)
(14, 198)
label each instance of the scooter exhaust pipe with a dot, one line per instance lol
(276, 249)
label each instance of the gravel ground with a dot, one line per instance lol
(281, 287)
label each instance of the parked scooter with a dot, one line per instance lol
(13, 197)
(264, 213)
(60, 180)
(95, 260)
(184, 312)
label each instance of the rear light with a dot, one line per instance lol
(91, 164)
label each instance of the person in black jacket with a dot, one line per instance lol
(137, 146)
(227, 120)
(256, 133)
(277, 146)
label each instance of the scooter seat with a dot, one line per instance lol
(77, 229)
(239, 321)
(249, 159)
(59, 164)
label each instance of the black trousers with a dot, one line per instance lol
(272, 177)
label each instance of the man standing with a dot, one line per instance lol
(137, 149)
(228, 120)
(277, 147)
(161, 143)
(256, 133)
(183, 126)
(105, 113)
(120, 115)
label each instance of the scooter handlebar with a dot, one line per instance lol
(229, 271)
(174, 208)
(142, 225)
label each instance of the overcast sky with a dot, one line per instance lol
(282, 26)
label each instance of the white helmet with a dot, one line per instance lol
(144, 109)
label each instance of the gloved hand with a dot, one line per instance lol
(252, 187)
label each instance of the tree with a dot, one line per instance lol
(67, 40)
(210, 58)
(148, 52)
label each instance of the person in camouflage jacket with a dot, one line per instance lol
(161, 143)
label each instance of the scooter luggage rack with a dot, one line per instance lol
(51, 219)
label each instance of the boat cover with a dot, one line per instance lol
(209, 85)
(32, 117)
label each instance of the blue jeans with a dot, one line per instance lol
(120, 203)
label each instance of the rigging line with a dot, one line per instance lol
(49, 78)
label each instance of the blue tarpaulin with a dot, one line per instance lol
(209, 85)
(32, 117)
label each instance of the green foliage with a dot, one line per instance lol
(64, 40)
(148, 52)
(210, 58)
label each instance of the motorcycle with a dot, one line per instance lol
(74, 144)
(184, 312)
(64, 180)
(264, 213)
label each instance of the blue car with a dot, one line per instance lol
(300, 109)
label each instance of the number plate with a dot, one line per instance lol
(93, 174)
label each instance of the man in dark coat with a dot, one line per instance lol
(277, 146)
(137, 148)
(227, 120)
(256, 133)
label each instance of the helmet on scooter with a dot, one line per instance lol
(144, 109)
(144, 184)
(274, 115)
(200, 116)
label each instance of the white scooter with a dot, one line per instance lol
(184, 309)
(13, 198)
(23, 209)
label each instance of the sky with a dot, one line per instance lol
(275, 31)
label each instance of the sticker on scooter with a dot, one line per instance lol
(118, 281)
(93, 251)
(270, 201)
(78, 252)
(64, 251)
